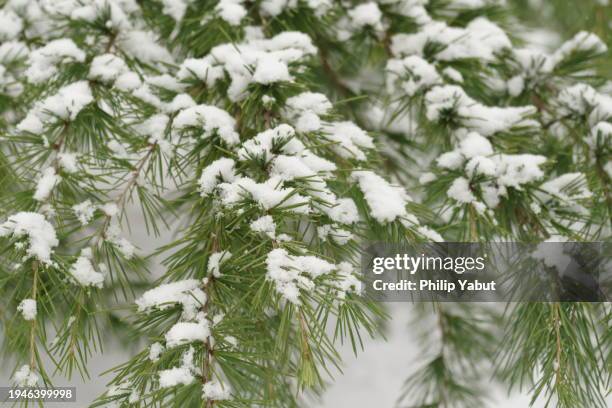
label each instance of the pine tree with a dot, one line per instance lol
(271, 190)
(271, 140)
(520, 143)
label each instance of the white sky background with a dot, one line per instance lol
(376, 376)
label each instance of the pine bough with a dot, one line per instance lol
(245, 131)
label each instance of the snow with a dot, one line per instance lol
(347, 281)
(274, 7)
(215, 391)
(110, 209)
(83, 271)
(215, 260)
(291, 273)
(340, 235)
(84, 211)
(67, 162)
(261, 145)
(145, 46)
(155, 127)
(186, 292)
(118, 149)
(291, 167)
(175, 376)
(118, 389)
(603, 128)
(507, 170)
(413, 74)
(453, 74)
(113, 236)
(532, 63)
(552, 256)
(186, 332)
(427, 178)
(249, 62)
(175, 8)
(316, 163)
(146, 94)
(582, 41)
(469, 4)
(348, 139)
(107, 68)
(64, 105)
(443, 98)
(134, 397)
(477, 117)
(232, 341)
(366, 15)
(128, 81)
(490, 120)
(10, 25)
(581, 99)
(386, 202)
(450, 160)
(11, 51)
(155, 351)
(308, 122)
(600, 135)
(518, 169)
(480, 39)
(608, 168)
(577, 98)
(268, 101)
(602, 109)
(47, 182)
(304, 110)
(31, 123)
(568, 187)
(266, 225)
(344, 211)
(27, 307)
(201, 69)
(481, 165)
(165, 81)
(270, 70)
(232, 11)
(211, 119)
(491, 194)
(475, 145)
(268, 194)
(460, 191)
(220, 170)
(430, 234)
(516, 85)
(116, 12)
(25, 377)
(180, 102)
(297, 162)
(40, 233)
(414, 9)
(309, 102)
(43, 62)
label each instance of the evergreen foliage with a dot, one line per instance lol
(270, 140)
